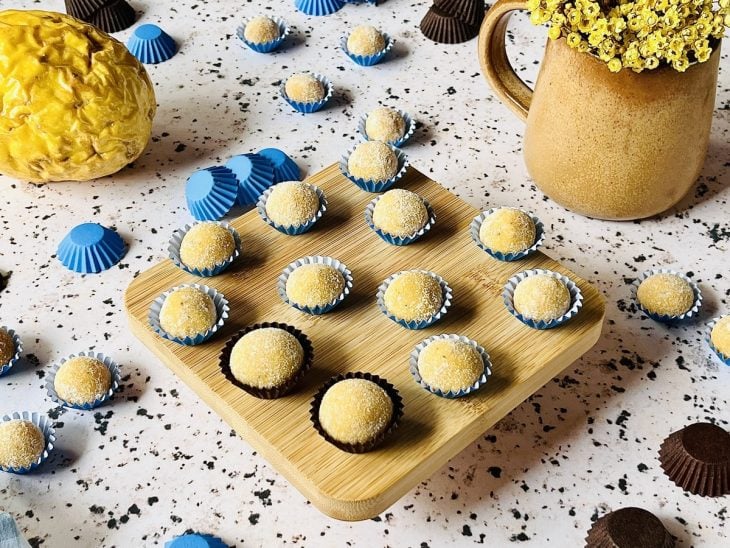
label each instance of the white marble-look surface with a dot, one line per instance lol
(157, 462)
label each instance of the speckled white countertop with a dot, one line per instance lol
(157, 462)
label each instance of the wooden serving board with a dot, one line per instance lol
(356, 336)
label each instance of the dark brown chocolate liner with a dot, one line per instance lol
(84, 9)
(278, 391)
(470, 12)
(440, 27)
(360, 447)
(697, 459)
(629, 527)
(114, 17)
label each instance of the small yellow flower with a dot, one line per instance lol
(573, 40)
(651, 63)
(554, 32)
(681, 64)
(614, 65)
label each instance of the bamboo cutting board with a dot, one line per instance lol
(356, 336)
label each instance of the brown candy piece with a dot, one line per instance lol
(629, 527)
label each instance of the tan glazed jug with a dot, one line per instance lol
(609, 145)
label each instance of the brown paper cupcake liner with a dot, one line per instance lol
(697, 459)
(84, 9)
(470, 12)
(360, 447)
(629, 527)
(440, 27)
(114, 17)
(277, 391)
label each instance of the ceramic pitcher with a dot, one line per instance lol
(608, 145)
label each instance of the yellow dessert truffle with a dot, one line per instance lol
(355, 411)
(261, 30)
(292, 203)
(82, 379)
(187, 312)
(7, 347)
(666, 294)
(450, 365)
(541, 298)
(21, 444)
(720, 336)
(314, 285)
(508, 230)
(385, 124)
(373, 161)
(365, 40)
(266, 358)
(304, 88)
(206, 245)
(400, 212)
(413, 296)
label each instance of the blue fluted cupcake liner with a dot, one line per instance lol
(308, 108)
(151, 45)
(221, 308)
(476, 226)
(410, 128)
(376, 186)
(6, 367)
(106, 360)
(49, 433)
(399, 240)
(319, 7)
(446, 293)
(576, 298)
(710, 326)
(663, 318)
(91, 248)
(315, 259)
(196, 540)
(293, 230)
(266, 47)
(211, 193)
(285, 169)
(255, 173)
(368, 60)
(451, 394)
(176, 242)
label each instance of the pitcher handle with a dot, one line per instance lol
(496, 67)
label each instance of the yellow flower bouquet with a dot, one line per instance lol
(636, 34)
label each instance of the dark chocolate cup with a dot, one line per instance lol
(84, 9)
(697, 459)
(629, 527)
(115, 16)
(470, 12)
(440, 27)
(277, 391)
(360, 447)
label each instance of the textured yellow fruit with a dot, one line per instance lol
(74, 103)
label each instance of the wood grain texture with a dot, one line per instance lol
(356, 336)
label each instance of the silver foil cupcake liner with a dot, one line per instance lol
(710, 326)
(6, 367)
(376, 186)
(451, 394)
(663, 318)
(292, 230)
(177, 239)
(315, 259)
(368, 60)
(410, 129)
(110, 364)
(476, 226)
(446, 294)
(399, 240)
(49, 433)
(308, 108)
(221, 308)
(266, 47)
(576, 298)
